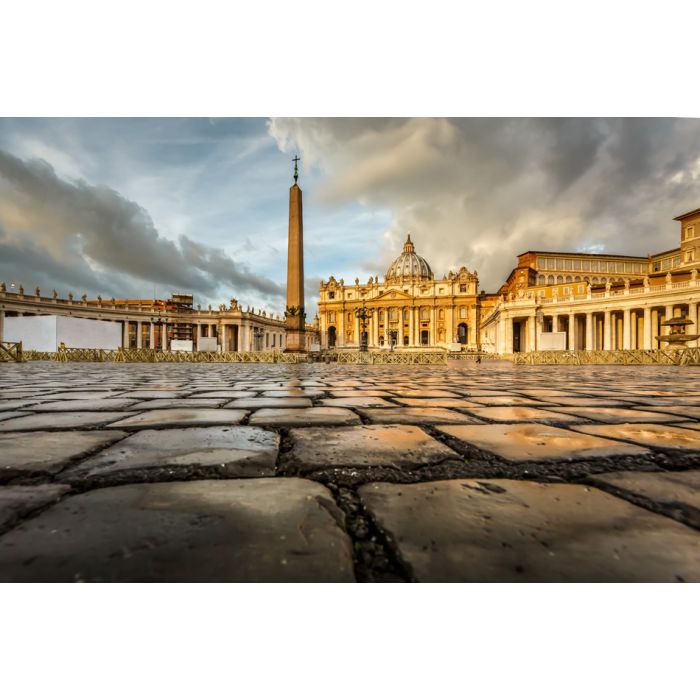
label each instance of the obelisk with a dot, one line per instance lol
(294, 313)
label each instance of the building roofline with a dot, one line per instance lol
(593, 255)
(688, 213)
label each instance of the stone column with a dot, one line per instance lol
(139, 334)
(668, 315)
(692, 315)
(2, 326)
(411, 326)
(509, 335)
(646, 329)
(572, 332)
(626, 330)
(589, 331)
(164, 336)
(531, 325)
(555, 323)
(607, 331)
(125, 334)
(224, 337)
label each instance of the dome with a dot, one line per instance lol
(409, 264)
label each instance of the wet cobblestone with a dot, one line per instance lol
(71, 430)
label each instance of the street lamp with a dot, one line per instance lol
(159, 320)
(363, 314)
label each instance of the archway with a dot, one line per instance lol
(331, 336)
(424, 338)
(462, 333)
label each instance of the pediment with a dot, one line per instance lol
(393, 295)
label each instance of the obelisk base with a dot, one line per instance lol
(295, 333)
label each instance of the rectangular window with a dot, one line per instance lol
(560, 264)
(541, 263)
(594, 265)
(677, 261)
(620, 267)
(331, 317)
(656, 266)
(577, 265)
(331, 295)
(567, 263)
(462, 288)
(551, 264)
(586, 265)
(666, 264)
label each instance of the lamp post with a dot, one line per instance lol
(158, 321)
(363, 314)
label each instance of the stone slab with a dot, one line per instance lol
(268, 402)
(165, 417)
(415, 416)
(520, 442)
(619, 415)
(321, 415)
(677, 492)
(521, 414)
(183, 452)
(514, 531)
(399, 446)
(58, 420)
(250, 530)
(85, 405)
(438, 403)
(159, 404)
(673, 437)
(26, 454)
(357, 402)
(6, 416)
(18, 501)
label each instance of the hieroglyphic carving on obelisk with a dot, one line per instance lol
(294, 313)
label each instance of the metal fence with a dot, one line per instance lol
(11, 352)
(681, 356)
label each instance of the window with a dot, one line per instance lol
(462, 288)
(656, 266)
(620, 267)
(666, 264)
(551, 264)
(541, 263)
(405, 318)
(560, 279)
(441, 314)
(594, 265)
(567, 290)
(541, 280)
(424, 314)
(394, 315)
(569, 279)
(462, 312)
(580, 289)
(331, 317)
(677, 261)
(577, 264)
(349, 295)
(331, 295)
(567, 263)
(550, 279)
(586, 265)
(689, 232)
(577, 278)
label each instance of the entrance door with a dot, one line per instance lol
(516, 336)
(331, 336)
(462, 333)
(424, 338)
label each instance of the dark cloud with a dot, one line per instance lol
(74, 234)
(480, 191)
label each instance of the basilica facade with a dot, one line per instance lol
(410, 308)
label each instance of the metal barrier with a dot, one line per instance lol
(681, 356)
(11, 352)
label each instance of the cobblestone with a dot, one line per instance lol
(103, 438)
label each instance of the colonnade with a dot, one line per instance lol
(627, 328)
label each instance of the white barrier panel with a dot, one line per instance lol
(552, 341)
(34, 332)
(181, 345)
(88, 333)
(46, 333)
(207, 344)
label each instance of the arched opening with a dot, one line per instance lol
(550, 279)
(424, 338)
(541, 279)
(462, 333)
(331, 336)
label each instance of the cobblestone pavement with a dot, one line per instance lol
(492, 472)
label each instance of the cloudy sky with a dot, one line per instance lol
(135, 206)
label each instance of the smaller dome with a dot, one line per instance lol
(409, 264)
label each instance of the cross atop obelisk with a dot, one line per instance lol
(294, 313)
